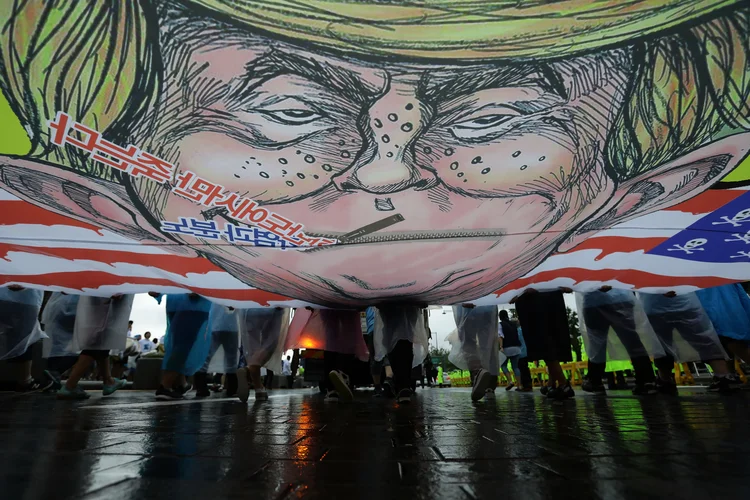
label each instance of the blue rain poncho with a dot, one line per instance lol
(223, 355)
(728, 307)
(59, 319)
(188, 334)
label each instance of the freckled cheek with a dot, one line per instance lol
(504, 166)
(265, 175)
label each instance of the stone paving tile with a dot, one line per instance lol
(442, 446)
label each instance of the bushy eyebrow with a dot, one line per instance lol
(344, 82)
(437, 89)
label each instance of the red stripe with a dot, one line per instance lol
(170, 263)
(21, 212)
(607, 245)
(639, 279)
(96, 279)
(708, 201)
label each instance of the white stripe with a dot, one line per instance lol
(6, 196)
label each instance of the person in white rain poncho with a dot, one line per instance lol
(475, 346)
(614, 327)
(19, 330)
(401, 334)
(224, 354)
(338, 333)
(686, 333)
(263, 332)
(101, 325)
(58, 320)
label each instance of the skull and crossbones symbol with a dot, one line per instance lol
(740, 255)
(690, 247)
(744, 238)
(739, 218)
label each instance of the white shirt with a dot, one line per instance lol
(146, 345)
(286, 367)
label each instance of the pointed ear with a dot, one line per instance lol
(66, 192)
(667, 185)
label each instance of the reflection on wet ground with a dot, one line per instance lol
(442, 446)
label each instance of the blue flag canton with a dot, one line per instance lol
(721, 236)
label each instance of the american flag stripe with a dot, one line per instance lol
(43, 249)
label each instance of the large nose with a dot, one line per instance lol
(390, 128)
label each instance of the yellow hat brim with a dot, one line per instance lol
(464, 29)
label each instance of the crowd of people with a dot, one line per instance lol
(651, 331)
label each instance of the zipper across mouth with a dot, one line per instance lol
(410, 236)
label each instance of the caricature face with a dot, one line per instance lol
(490, 165)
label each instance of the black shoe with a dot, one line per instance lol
(163, 394)
(735, 383)
(722, 385)
(561, 393)
(231, 385)
(34, 385)
(404, 396)
(668, 388)
(201, 385)
(589, 386)
(56, 384)
(184, 389)
(645, 389)
(544, 390)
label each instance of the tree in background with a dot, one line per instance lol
(575, 333)
(439, 357)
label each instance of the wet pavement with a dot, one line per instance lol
(442, 446)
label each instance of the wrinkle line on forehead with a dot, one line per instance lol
(276, 63)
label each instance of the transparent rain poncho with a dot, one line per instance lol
(614, 327)
(474, 342)
(59, 320)
(394, 323)
(334, 330)
(188, 338)
(102, 323)
(224, 353)
(682, 327)
(19, 323)
(263, 333)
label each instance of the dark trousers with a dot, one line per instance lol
(268, 379)
(290, 381)
(401, 358)
(523, 367)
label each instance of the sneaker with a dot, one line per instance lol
(668, 388)
(56, 384)
(340, 383)
(561, 393)
(243, 384)
(111, 389)
(34, 385)
(645, 389)
(735, 383)
(163, 394)
(72, 394)
(202, 393)
(404, 396)
(200, 380)
(332, 396)
(510, 386)
(261, 395)
(184, 389)
(589, 386)
(490, 393)
(722, 385)
(482, 382)
(544, 390)
(524, 389)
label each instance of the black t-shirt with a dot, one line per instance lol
(510, 334)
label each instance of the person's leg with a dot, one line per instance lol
(401, 358)
(526, 382)
(623, 323)
(597, 329)
(338, 368)
(25, 382)
(85, 360)
(738, 349)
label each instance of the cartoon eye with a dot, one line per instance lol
(483, 122)
(292, 116)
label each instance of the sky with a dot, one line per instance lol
(149, 316)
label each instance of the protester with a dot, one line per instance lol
(544, 322)
(188, 342)
(696, 340)
(58, 319)
(100, 326)
(475, 346)
(510, 345)
(728, 307)
(19, 331)
(617, 310)
(286, 370)
(263, 333)
(145, 343)
(225, 335)
(401, 334)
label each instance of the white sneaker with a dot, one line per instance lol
(341, 384)
(261, 395)
(332, 396)
(243, 385)
(404, 396)
(482, 382)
